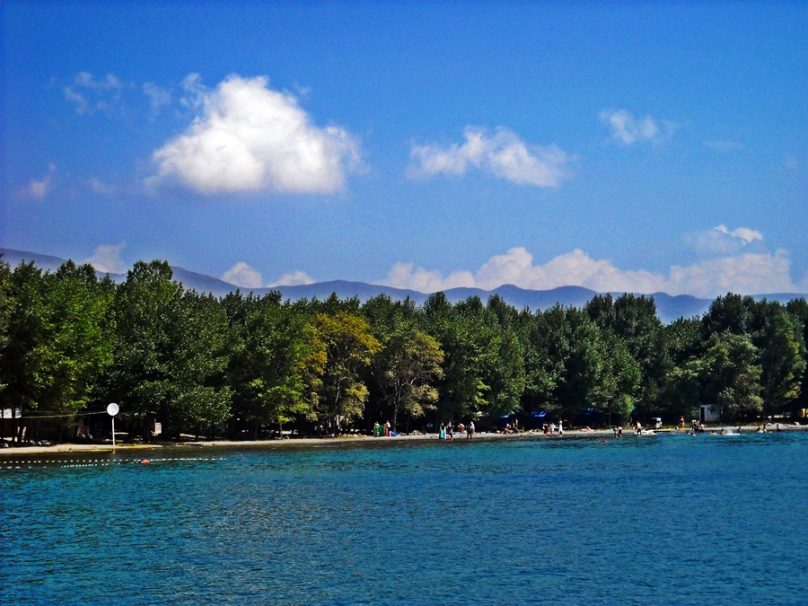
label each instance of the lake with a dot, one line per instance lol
(670, 519)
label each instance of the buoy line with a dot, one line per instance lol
(75, 463)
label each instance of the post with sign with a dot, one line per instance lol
(112, 410)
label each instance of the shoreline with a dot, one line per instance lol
(71, 448)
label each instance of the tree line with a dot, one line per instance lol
(243, 365)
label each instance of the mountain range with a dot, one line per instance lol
(669, 307)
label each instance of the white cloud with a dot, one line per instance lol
(745, 234)
(38, 189)
(195, 91)
(747, 273)
(90, 94)
(294, 278)
(107, 258)
(248, 138)
(100, 187)
(627, 129)
(243, 275)
(720, 240)
(500, 153)
(158, 97)
(405, 275)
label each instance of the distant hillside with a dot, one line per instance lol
(669, 307)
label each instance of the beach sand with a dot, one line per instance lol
(354, 440)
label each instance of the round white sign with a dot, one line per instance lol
(112, 409)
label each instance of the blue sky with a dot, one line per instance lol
(632, 147)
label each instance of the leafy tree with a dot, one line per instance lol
(275, 360)
(732, 313)
(24, 358)
(798, 310)
(731, 376)
(781, 346)
(634, 322)
(142, 375)
(349, 346)
(6, 307)
(406, 366)
(503, 363)
(546, 343)
(202, 399)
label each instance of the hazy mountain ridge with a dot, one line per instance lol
(669, 307)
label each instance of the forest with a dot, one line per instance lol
(247, 367)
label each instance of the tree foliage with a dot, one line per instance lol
(71, 342)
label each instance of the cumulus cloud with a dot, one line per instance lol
(241, 274)
(247, 137)
(106, 258)
(89, 94)
(38, 189)
(627, 129)
(500, 153)
(746, 273)
(720, 240)
(295, 278)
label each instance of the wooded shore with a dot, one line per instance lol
(358, 440)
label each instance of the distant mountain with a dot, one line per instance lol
(669, 307)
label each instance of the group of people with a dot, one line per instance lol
(551, 428)
(380, 430)
(511, 427)
(446, 430)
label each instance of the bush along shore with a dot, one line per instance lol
(182, 365)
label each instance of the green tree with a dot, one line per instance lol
(798, 310)
(731, 376)
(142, 376)
(275, 360)
(780, 343)
(406, 367)
(24, 358)
(197, 369)
(348, 346)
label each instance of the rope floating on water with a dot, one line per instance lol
(75, 463)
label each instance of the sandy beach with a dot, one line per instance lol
(355, 440)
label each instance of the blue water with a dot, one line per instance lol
(652, 520)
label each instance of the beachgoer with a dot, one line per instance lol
(387, 429)
(560, 427)
(470, 430)
(442, 433)
(450, 430)
(377, 429)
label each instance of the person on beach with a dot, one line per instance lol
(560, 427)
(387, 429)
(442, 432)
(450, 430)
(470, 430)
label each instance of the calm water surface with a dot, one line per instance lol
(655, 520)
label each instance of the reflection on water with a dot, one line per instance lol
(631, 520)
